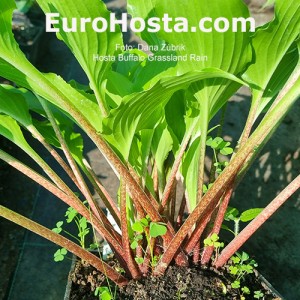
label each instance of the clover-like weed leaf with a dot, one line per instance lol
(139, 260)
(206, 188)
(258, 294)
(94, 246)
(233, 270)
(103, 293)
(157, 229)
(83, 223)
(58, 228)
(226, 150)
(245, 290)
(235, 259)
(236, 284)
(71, 213)
(59, 255)
(134, 244)
(137, 227)
(214, 143)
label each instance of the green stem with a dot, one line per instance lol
(73, 236)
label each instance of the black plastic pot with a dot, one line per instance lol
(69, 283)
(265, 283)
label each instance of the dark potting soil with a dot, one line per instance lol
(192, 283)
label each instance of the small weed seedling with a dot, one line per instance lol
(213, 241)
(150, 230)
(82, 228)
(232, 214)
(241, 266)
(258, 294)
(103, 293)
(218, 145)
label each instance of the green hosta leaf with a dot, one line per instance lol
(250, 214)
(157, 229)
(15, 66)
(201, 42)
(211, 45)
(84, 102)
(14, 104)
(175, 111)
(85, 45)
(10, 129)
(24, 5)
(144, 145)
(139, 76)
(118, 86)
(190, 166)
(271, 69)
(162, 144)
(144, 110)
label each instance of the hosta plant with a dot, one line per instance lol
(151, 119)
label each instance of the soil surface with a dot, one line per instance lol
(192, 283)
